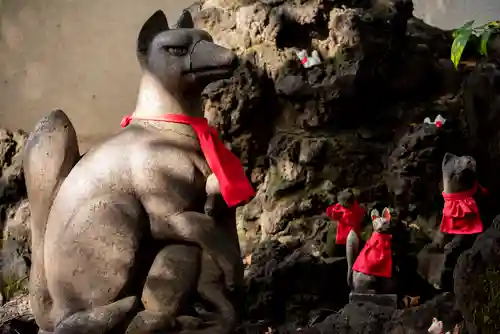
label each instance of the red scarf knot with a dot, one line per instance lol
(126, 121)
(348, 219)
(460, 212)
(375, 258)
(234, 185)
(304, 60)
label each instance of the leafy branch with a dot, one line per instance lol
(463, 34)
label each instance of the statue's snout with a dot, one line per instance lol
(208, 56)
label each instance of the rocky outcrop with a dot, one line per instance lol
(12, 188)
(16, 309)
(14, 215)
(15, 314)
(355, 120)
(16, 251)
(280, 277)
(313, 132)
(371, 318)
(477, 282)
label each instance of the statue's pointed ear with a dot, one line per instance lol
(152, 27)
(185, 21)
(386, 213)
(448, 157)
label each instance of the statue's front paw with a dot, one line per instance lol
(449, 246)
(188, 322)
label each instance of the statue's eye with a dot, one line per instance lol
(177, 51)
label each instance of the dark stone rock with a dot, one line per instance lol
(19, 327)
(367, 317)
(244, 109)
(14, 216)
(16, 254)
(12, 188)
(355, 120)
(285, 283)
(386, 300)
(419, 152)
(477, 282)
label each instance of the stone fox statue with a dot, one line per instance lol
(348, 215)
(371, 270)
(461, 220)
(125, 223)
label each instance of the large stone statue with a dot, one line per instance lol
(120, 239)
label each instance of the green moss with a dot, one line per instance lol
(486, 315)
(276, 182)
(12, 286)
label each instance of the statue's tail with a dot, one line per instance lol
(352, 252)
(51, 152)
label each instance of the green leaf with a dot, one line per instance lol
(467, 26)
(494, 24)
(485, 36)
(458, 46)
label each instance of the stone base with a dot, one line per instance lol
(390, 300)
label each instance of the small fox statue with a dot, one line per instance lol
(437, 328)
(370, 271)
(308, 61)
(438, 121)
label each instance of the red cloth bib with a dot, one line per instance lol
(234, 185)
(460, 213)
(376, 257)
(347, 218)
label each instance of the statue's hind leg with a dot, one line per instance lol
(171, 279)
(212, 289)
(50, 154)
(99, 320)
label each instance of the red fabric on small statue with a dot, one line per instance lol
(347, 218)
(234, 185)
(376, 257)
(460, 213)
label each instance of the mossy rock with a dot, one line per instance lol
(477, 282)
(486, 316)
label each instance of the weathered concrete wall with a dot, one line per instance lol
(79, 55)
(449, 14)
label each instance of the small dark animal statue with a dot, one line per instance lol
(370, 272)
(125, 223)
(346, 215)
(461, 221)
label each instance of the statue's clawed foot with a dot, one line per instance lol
(188, 322)
(100, 319)
(150, 322)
